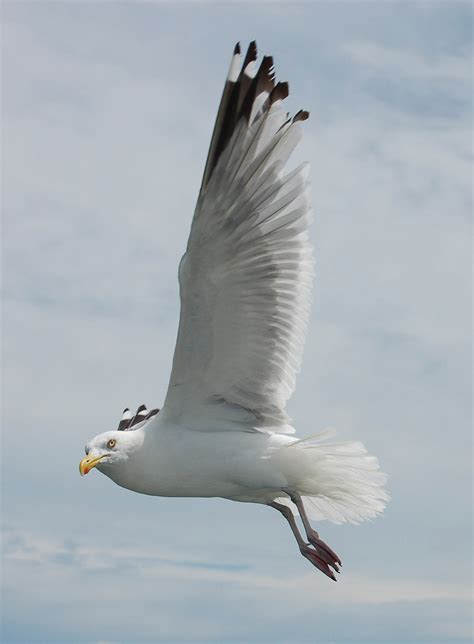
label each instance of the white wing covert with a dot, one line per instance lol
(246, 275)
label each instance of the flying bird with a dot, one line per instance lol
(245, 287)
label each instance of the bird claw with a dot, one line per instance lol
(324, 551)
(309, 553)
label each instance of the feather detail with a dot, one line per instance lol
(125, 420)
(129, 421)
(339, 482)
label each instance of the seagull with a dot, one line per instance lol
(245, 288)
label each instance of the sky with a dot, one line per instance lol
(107, 111)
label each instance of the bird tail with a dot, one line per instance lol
(339, 481)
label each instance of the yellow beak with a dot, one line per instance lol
(88, 462)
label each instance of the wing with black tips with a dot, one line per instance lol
(246, 276)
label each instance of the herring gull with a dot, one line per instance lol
(245, 285)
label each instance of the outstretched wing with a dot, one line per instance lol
(246, 275)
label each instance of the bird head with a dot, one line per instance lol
(110, 449)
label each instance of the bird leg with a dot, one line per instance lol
(306, 550)
(323, 550)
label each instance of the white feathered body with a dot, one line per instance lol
(340, 480)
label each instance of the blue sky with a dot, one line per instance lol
(107, 113)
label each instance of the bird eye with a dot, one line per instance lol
(111, 443)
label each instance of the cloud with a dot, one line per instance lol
(153, 563)
(160, 578)
(452, 69)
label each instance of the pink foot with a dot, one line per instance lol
(311, 555)
(324, 551)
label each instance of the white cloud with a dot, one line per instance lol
(159, 578)
(442, 68)
(165, 564)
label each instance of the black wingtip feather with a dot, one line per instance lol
(279, 92)
(266, 74)
(238, 100)
(251, 54)
(124, 422)
(302, 115)
(263, 82)
(141, 415)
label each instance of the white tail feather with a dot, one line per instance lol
(339, 482)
